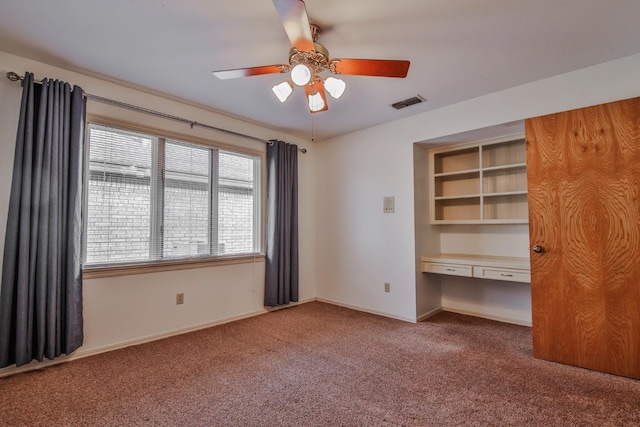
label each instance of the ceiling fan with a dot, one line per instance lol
(308, 59)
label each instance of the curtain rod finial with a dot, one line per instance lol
(13, 76)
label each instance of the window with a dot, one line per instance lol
(152, 198)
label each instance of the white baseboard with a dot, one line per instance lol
(488, 316)
(366, 310)
(429, 314)
(291, 304)
(11, 370)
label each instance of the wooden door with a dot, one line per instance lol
(583, 171)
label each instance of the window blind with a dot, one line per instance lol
(151, 198)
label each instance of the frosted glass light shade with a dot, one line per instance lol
(335, 87)
(316, 103)
(301, 74)
(282, 90)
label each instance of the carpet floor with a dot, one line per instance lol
(316, 364)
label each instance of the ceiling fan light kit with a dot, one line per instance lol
(283, 90)
(316, 103)
(316, 98)
(301, 74)
(308, 59)
(334, 86)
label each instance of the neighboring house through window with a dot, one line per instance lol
(151, 198)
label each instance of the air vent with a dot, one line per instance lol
(408, 102)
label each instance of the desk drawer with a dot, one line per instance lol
(502, 274)
(452, 269)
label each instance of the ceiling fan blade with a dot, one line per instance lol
(318, 88)
(293, 15)
(372, 67)
(252, 71)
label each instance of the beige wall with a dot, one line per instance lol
(359, 248)
(348, 247)
(129, 309)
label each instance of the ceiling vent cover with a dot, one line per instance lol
(408, 102)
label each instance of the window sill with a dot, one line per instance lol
(166, 265)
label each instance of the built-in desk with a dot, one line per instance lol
(484, 267)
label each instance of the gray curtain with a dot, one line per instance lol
(41, 292)
(281, 269)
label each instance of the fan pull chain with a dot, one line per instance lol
(314, 127)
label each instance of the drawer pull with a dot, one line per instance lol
(451, 269)
(506, 275)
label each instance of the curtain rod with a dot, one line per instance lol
(14, 77)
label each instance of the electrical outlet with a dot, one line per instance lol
(180, 298)
(388, 204)
(387, 287)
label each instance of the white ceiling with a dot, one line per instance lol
(459, 49)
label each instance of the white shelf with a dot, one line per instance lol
(462, 196)
(483, 182)
(481, 221)
(457, 173)
(505, 167)
(505, 193)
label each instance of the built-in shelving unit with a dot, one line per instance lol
(482, 182)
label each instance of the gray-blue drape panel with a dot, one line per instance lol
(281, 269)
(41, 292)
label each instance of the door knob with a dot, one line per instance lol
(538, 249)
